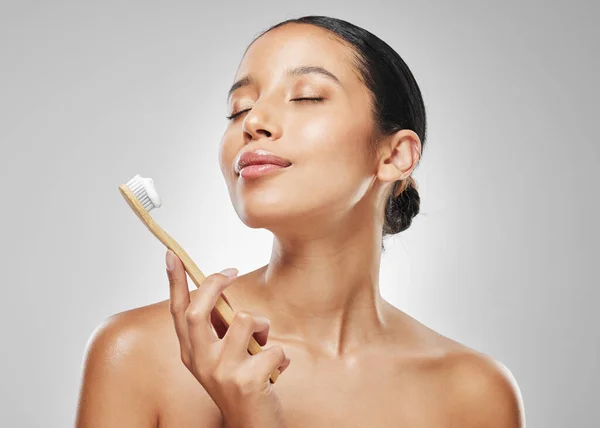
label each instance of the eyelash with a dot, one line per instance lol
(314, 99)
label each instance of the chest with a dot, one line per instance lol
(381, 400)
(324, 398)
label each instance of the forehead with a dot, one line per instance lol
(292, 45)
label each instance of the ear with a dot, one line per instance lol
(398, 155)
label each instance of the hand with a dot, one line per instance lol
(218, 357)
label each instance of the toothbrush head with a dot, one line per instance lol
(145, 192)
(142, 197)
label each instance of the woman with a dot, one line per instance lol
(345, 118)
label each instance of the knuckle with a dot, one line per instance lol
(176, 308)
(242, 381)
(193, 316)
(277, 352)
(173, 279)
(246, 384)
(242, 318)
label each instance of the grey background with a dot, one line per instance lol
(503, 257)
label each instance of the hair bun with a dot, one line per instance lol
(401, 209)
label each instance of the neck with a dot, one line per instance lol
(324, 292)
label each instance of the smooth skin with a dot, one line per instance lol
(350, 358)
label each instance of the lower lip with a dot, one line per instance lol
(253, 171)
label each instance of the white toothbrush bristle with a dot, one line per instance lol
(145, 192)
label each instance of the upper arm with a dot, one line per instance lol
(115, 389)
(485, 394)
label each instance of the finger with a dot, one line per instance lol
(202, 302)
(179, 299)
(268, 360)
(221, 328)
(237, 338)
(261, 333)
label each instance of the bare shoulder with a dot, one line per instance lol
(483, 391)
(130, 334)
(476, 389)
(119, 373)
(126, 340)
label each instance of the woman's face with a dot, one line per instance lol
(327, 141)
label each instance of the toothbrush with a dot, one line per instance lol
(142, 197)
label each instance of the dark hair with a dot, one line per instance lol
(396, 104)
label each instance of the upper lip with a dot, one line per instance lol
(259, 157)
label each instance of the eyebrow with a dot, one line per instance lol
(295, 71)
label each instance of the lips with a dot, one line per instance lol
(259, 157)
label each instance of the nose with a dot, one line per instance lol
(258, 124)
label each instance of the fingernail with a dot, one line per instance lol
(231, 272)
(170, 258)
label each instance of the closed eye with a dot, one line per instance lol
(314, 99)
(309, 99)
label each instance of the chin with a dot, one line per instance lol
(261, 211)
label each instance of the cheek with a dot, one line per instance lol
(334, 158)
(334, 142)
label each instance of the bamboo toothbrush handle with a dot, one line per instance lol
(224, 311)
